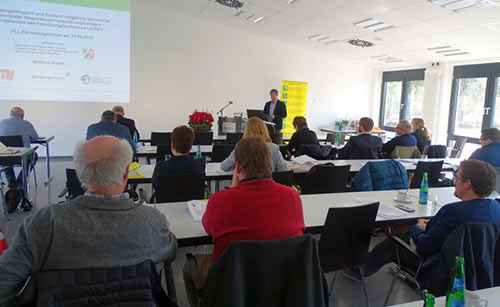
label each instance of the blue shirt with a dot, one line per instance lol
(430, 241)
(16, 126)
(489, 153)
(272, 106)
(407, 140)
(110, 128)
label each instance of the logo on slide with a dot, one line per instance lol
(86, 79)
(89, 54)
(6, 74)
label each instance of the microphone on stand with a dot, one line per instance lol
(222, 110)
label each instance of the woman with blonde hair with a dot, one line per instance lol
(256, 127)
(421, 133)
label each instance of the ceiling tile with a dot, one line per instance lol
(396, 18)
(424, 10)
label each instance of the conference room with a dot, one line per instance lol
(249, 153)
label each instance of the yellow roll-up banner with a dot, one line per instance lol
(294, 95)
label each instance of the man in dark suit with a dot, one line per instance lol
(276, 110)
(109, 126)
(364, 145)
(127, 122)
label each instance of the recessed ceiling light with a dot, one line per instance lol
(440, 47)
(448, 50)
(473, 6)
(290, 1)
(458, 53)
(258, 19)
(373, 25)
(323, 38)
(313, 36)
(458, 6)
(332, 41)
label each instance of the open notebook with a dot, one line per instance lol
(4, 150)
(197, 208)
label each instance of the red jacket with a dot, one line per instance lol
(3, 242)
(253, 210)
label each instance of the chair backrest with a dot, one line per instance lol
(73, 184)
(161, 138)
(318, 152)
(326, 178)
(433, 170)
(435, 151)
(180, 187)
(332, 137)
(283, 272)
(405, 152)
(233, 138)
(366, 153)
(97, 287)
(277, 138)
(12, 140)
(220, 152)
(285, 177)
(203, 138)
(479, 244)
(346, 236)
(460, 142)
(162, 150)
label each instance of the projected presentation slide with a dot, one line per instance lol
(65, 50)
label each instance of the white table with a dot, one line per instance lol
(145, 151)
(491, 294)
(20, 158)
(315, 208)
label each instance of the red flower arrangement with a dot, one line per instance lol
(201, 121)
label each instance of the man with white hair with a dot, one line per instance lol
(403, 138)
(17, 125)
(101, 229)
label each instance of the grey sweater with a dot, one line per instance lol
(87, 232)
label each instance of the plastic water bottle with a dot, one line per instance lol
(455, 295)
(429, 300)
(339, 135)
(424, 190)
(198, 152)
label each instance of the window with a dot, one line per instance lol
(473, 100)
(402, 97)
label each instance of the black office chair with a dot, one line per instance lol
(277, 138)
(435, 151)
(282, 272)
(180, 187)
(284, 178)
(17, 141)
(203, 138)
(160, 138)
(433, 170)
(345, 240)
(233, 138)
(458, 147)
(162, 150)
(283, 151)
(73, 187)
(220, 152)
(326, 178)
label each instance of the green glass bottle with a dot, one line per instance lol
(455, 296)
(429, 300)
(424, 190)
(198, 152)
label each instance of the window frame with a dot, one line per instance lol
(402, 76)
(491, 71)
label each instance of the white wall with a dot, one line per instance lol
(181, 62)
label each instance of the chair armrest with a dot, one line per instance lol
(193, 268)
(401, 243)
(63, 192)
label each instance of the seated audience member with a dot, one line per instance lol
(490, 147)
(17, 125)
(302, 136)
(255, 126)
(127, 122)
(421, 133)
(181, 162)
(101, 229)
(364, 145)
(474, 182)
(403, 138)
(248, 209)
(109, 126)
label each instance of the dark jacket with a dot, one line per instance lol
(450, 217)
(129, 123)
(362, 146)
(478, 244)
(109, 128)
(268, 273)
(406, 140)
(381, 175)
(489, 153)
(177, 165)
(421, 141)
(303, 136)
(279, 113)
